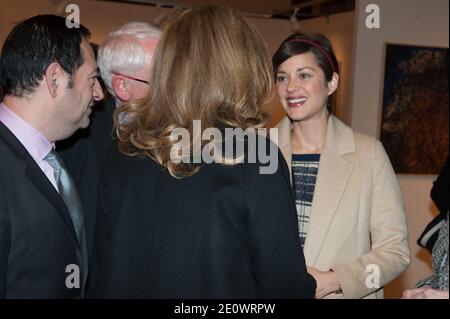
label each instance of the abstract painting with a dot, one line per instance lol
(415, 119)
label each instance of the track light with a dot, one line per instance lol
(295, 25)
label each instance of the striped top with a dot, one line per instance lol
(304, 175)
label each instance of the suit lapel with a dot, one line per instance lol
(332, 179)
(38, 178)
(42, 183)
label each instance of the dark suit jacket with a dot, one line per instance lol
(37, 237)
(225, 232)
(84, 153)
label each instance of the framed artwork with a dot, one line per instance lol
(414, 121)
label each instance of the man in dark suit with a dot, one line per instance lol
(49, 76)
(124, 61)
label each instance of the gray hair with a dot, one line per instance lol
(122, 52)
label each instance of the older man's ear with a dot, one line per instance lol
(121, 88)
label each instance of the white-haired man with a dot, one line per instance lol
(124, 61)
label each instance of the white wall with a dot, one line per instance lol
(413, 22)
(100, 17)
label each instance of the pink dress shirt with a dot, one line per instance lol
(34, 142)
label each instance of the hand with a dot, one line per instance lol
(425, 292)
(435, 294)
(327, 282)
(416, 293)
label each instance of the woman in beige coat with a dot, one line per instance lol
(352, 223)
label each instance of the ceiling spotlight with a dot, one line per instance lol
(295, 25)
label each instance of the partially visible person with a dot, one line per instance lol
(435, 286)
(435, 239)
(351, 219)
(439, 195)
(106, 94)
(124, 61)
(169, 229)
(49, 76)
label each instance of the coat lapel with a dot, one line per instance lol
(334, 173)
(38, 178)
(42, 183)
(332, 179)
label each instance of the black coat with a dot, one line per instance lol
(225, 232)
(37, 237)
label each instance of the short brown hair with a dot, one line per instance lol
(210, 65)
(321, 48)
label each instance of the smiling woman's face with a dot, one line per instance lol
(302, 87)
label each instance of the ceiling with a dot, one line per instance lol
(279, 9)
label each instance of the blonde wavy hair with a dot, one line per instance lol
(210, 65)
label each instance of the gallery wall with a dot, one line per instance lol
(411, 22)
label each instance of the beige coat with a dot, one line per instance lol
(357, 217)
